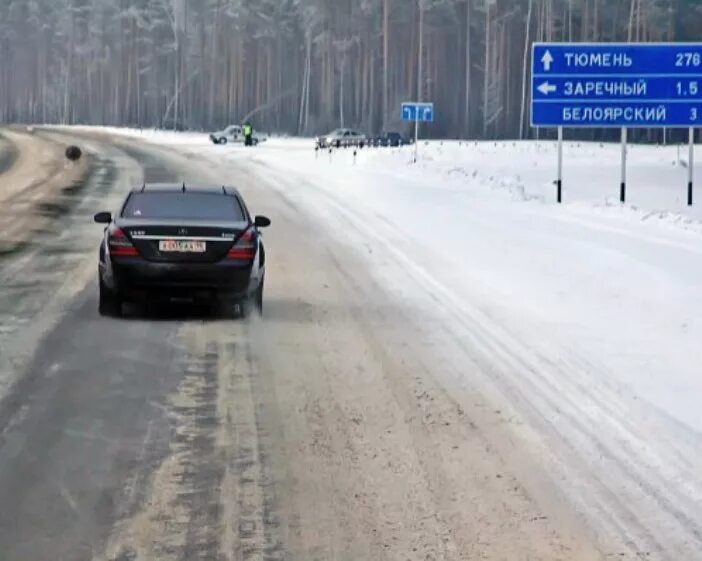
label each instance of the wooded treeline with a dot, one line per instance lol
(300, 66)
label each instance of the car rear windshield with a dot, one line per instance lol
(177, 205)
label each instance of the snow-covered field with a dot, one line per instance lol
(585, 318)
(618, 286)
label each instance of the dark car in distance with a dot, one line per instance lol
(392, 139)
(184, 242)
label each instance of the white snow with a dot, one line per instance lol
(585, 318)
(619, 285)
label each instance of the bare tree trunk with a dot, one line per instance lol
(69, 72)
(305, 84)
(570, 20)
(213, 66)
(506, 76)
(176, 82)
(420, 56)
(386, 53)
(128, 68)
(630, 34)
(525, 62)
(486, 80)
(307, 88)
(596, 20)
(341, 90)
(468, 68)
(372, 96)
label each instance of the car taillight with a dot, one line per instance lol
(245, 246)
(120, 246)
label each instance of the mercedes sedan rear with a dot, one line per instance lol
(182, 242)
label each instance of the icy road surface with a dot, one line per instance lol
(450, 367)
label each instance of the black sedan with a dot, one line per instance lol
(182, 242)
(393, 139)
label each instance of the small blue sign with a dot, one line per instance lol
(617, 85)
(414, 111)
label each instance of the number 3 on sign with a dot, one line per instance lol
(693, 114)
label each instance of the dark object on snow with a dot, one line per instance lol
(391, 139)
(73, 153)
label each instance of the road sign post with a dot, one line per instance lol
(559, 181)
(617, 85)
(691, 167)
(417, 112)
(622, 187)
(416, 136)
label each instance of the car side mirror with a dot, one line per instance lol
(262, 222)
(103, 218)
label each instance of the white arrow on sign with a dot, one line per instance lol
(547, 59)
(547, 88)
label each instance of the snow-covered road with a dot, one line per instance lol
(583, 320)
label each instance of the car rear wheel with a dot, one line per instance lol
(110, 304)
(258, 297)
(253, 304)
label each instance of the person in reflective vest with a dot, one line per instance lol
(248, 134)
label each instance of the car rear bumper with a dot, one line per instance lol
(137, 275)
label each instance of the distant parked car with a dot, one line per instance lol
(342, 138)
(393, 139)
(234, 133)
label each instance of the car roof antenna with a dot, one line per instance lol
(183, 186)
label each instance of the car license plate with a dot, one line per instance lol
(181, 246)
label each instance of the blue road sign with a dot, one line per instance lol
(616, 85)
(414, 111)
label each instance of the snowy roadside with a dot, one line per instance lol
(522, 171)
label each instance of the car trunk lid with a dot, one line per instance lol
(182, 242)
